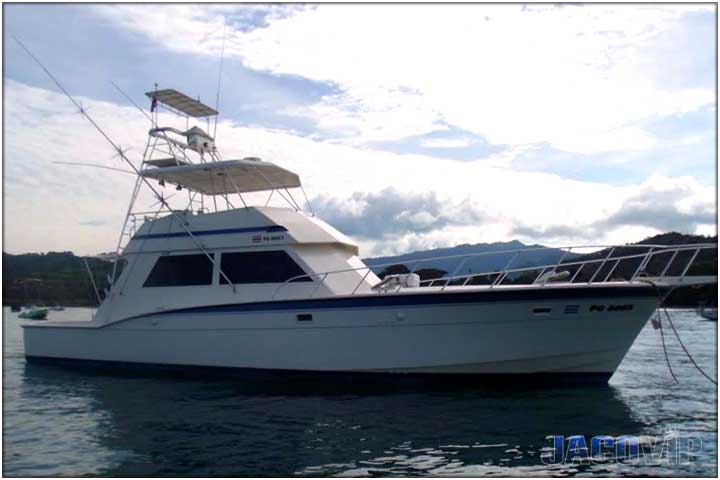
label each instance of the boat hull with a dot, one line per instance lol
(566, 335)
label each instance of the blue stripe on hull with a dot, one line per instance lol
(224, 231)
(422, 299)
(302, 377)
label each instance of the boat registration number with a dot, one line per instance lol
(611, 308)
(267, 238)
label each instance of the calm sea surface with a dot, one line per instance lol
(61, 421)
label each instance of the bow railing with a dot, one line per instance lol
(677, 264)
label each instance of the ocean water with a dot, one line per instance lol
(69, 422)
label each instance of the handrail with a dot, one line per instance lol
(692, 260)
(538, 267)
(557, 264)
(612, 250)
(502, 274)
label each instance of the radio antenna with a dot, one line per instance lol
(217, 95)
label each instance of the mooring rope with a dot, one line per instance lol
(677, 335)
(667, 358)
(692, 360)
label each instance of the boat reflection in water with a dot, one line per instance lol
(169, 426)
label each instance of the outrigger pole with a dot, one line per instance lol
(121, 153)
(152, 121)
(80, 164)
(217, 95)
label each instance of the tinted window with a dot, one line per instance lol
(260, 267)
(180, 270)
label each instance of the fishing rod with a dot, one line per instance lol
(117, 87)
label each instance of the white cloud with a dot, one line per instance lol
(53, 207)
(382, 115)
(447, 142)
(581, 78)
(659, 204)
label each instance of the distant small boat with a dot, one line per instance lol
(15, 308)
(709, 313)
(35, 314)
(57, 308)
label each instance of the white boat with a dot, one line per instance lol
(223, 283)
(34, 313)
(709, 313)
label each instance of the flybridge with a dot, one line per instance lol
(188, 158)
(169, 156)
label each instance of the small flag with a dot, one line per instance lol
(153, 105)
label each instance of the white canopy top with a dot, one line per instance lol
(218, 178)
(182, 103)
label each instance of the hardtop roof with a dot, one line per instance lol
(226, 177)
(182, 103)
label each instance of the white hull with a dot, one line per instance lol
(476, 338)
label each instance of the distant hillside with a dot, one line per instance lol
(53, 278)
(485, 261)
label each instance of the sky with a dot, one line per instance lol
(411, 126)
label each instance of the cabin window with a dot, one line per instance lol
(180, 271)
(274, 266)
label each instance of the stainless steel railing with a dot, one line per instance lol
(675, 266)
